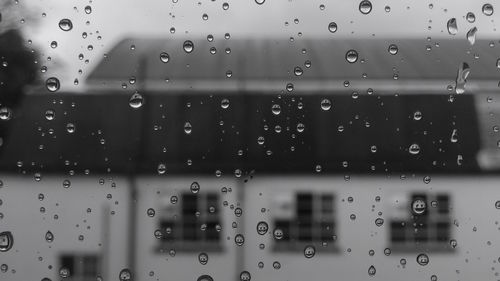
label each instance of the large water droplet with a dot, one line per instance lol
(452, 26)
(365, 7)
(351, 56)
(471, 35)
(52, 84)
(136, 100)
(65, 24)
(188, 46)
(462, 74)
(125, 275)
(488, 9)
(332, 27)
(6, 241)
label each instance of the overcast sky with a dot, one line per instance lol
(115, 19)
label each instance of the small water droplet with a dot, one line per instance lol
(205, 278)
(454, 136)
(164, 57)
(162, 168)
(414, 149)
(239, 239)
(245, 276)
(188, 128)
(372, 271)
(225, 6)
(422, 259)
(418, 206)
(70, 128)
(49, 236)
(470, 17)
(393, 49)
(5, 113)
(332, 27)
(487, 9)
(224, 103)
(125, 275)
(417, 115)
(260, 2)
(471, 35)
(64, 272)
(276, 109)
(88, 10)
(309, 251)
(203, 258)
(6, 241)
(326, 104)
(195, 187)
(262, 227)
(151, 212)
(461, 80)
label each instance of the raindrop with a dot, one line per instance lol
(452, 26)
(298, 71)
(203, 258)
(498, 63)
(5, 113)
(418, 206)
(6, 241)
(332, 27)
(53, 44)
(278, 234)
(414, 149)
(309, 251)
(326, 104)
(351, 56)
(276, 265)
(379, 222)
(49, 236)
(462, 74)
(488, 9)
(4, 267)
(136, 100)
(50, 114)
(164, 57)
(64, 272)
(393, 49)
(365, 7)
(454, 136)
(150, 212)
(225, 6)
(470, 17)
(205, 278)
(245, 276)
(260, 2)
(52, 84)
(88, 10)
(276, 109)
(471, 35)
(417, 115)
(224, 103)
(70, 128)
(262, 227)
(195, 187)
(125, 275)
(422, 259)
(372, 270)
(66, 183)
(239, 239)
(162, 168)
(427, 179)
(65, 25)
(188, 128)
(188, 46)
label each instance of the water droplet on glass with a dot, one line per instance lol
(393, 49)
(332, 27)
(454, 136)
(262, 227)
(326, 104)
(125, 275)
(379, 222)
(88, 10)
(205, 278)
(309, 251)
(462, 74)
(65, 25)
(298, 71)
(417, 115)
(188, 128)
(151, 212)
(365, 7)
(195, 187)
(224, 103)
(276, 109)
(6, 241)
(52, 84)
(136, 100)
(162, 169)
(64, 272)
(418, 206)
(351, 56)
(49, 236)
(422, 259)
(188, 46)
(5, 113)
(50, 114)
(414, 149)
(372, 270)
(488, 9)
(470, 17)
(66, 183)
(70, 128)
(245, 276)
(239, 239)
(260, 2)
(471, 35)
(225, 6)
(53, 44)
(452, 26)
(164, 57)
(203, 258)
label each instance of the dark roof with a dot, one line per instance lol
(137, 140)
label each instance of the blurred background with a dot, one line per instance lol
(249, 140)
